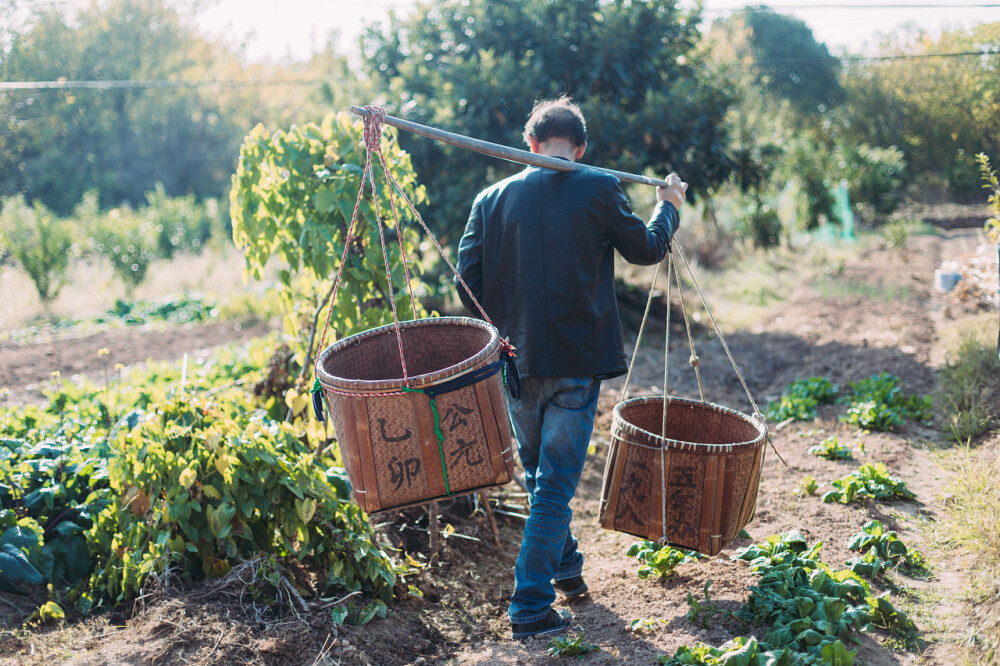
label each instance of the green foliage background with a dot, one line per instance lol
(477, 67)
(293, 200)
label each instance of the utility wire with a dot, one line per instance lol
(921, 5)
(915, 56)
(146, 85)
(216, 83)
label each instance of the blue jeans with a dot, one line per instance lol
(553, 422)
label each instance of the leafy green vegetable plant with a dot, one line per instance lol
(831, 449)
(871, 480)
(571, 647)
(51, 493)
(800, 398)
(812, 611)
(807, 486)
(877, 403)
(881, 548)
(659, 560)
(883, 614)
(645, 625)
(702, 612)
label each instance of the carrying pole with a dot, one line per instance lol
(506, 152)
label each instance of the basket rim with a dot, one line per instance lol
(621, 426)
(328, 380)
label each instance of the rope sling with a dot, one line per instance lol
(661, 446)
(373, 123)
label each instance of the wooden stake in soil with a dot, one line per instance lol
(488, 510)
(435, 530)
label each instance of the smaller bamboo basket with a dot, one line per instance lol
(695, 486)
(388, 431)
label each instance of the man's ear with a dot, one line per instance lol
(581, 150)
(533, 144)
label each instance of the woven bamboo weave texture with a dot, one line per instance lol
(710, 457)
(401, 461)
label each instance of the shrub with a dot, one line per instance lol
(40, 242)
(128, 241)
(991, 185)
(875, 176)
(293, 199)
(193, 486)
(202, 484)
(181, 223)
(761, 225)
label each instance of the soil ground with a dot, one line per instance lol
(876, 312)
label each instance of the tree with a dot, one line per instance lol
(56, 144)
(936, 101)
(476, 67)
(785, 84)
(788, 60)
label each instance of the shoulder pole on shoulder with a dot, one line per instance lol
(506, 152)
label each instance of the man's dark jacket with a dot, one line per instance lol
(538, 254)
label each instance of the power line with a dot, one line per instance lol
(921, 5)
(848, 59)
(217, 83)
(63, 84)
(148, 85)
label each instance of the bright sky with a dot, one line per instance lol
(276, 29)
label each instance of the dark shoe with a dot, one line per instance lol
(554, 623)
(571, 588)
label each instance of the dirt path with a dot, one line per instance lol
(25, 367)
(879, 313)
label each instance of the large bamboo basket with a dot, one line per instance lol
(710, 458)
(387, 437)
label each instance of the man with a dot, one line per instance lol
(538, 254)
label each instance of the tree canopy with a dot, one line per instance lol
(477, 67)
(937, 100)
(56, 144)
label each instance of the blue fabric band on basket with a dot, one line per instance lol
(511, 378)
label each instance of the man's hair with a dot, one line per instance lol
(556, 119)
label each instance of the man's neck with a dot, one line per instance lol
(558, 148)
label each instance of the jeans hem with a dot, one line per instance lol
(567, 576)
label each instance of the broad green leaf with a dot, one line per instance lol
(220, 519)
